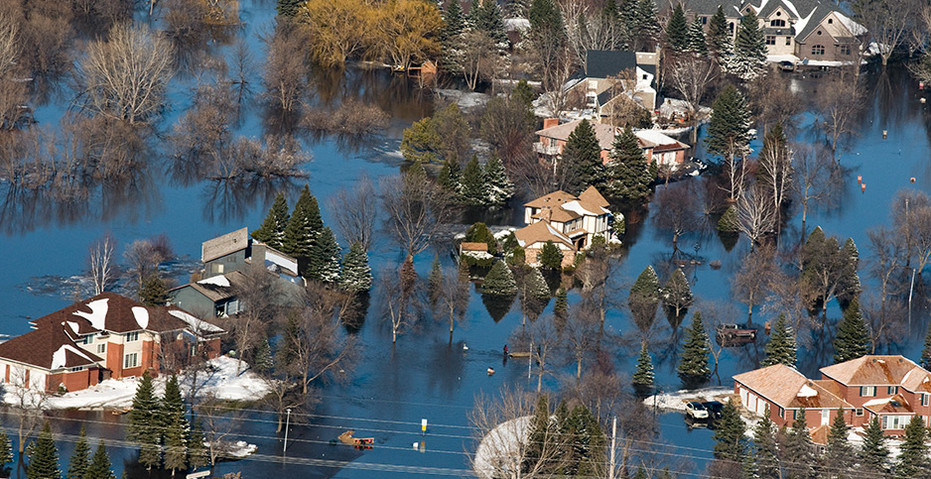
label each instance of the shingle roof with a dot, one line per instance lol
(111, 312)
(605, 63)
(591, 196)
(224, 245)
(876, 370)
(789, 388)
(540, 232)
(49, 348)
(604, 133)
(218, 288)
(555, 198)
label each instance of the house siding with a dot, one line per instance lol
(225, 264)
(189, 299)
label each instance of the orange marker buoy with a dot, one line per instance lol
(863, 188)
(912, 179)
(859, 179)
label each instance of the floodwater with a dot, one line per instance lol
(395, 387)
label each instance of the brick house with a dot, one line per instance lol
(106, 336)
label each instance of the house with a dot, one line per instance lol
(610, 77)
(666, 151)
(570, 222)
(214, 297)
(892, 388)
(106, 336)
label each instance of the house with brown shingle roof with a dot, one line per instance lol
(105, 336)
(656, 146)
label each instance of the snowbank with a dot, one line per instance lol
(675, 401)
(465, 99)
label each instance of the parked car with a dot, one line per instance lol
(715, 409)
(786, 66)
(695, 410)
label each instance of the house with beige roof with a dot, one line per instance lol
(656, 146)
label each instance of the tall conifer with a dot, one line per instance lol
(765, 449)
(838, 454)
(853, 339)
(695, 38)
(800, 448)
(730, 442)
(874, 452)
(643, 298)
(628, 174)
(144, 426)
(718, 35)
(913, 458)
(693, 367)
(498, 187)
(304, 226)
(357, 274)
(174, 426)
(99, 467)
(643, 376)
(749, 59)
(80, 457)
(323, 260)
(580, 161)
(43, 457)
(677, 29)
(272, 230)
(473, 183)
(781, 347)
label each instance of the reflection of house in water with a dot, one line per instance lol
(224, 258)
(570, 222)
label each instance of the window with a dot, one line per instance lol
(830, 21)
(101, 348)
(131, 360)
(867, 391)
(770, 39)
(843, 49)
(77, 369)
(89, 339)
(782, 412)
(704, 20)
(892, 390)
(730, 27)
(819, 32)
(924, 399)
(817, 49)
(895, 422)
(133, 336)
(777, 23)
(859, 412)
(795, 414)
(788, 40)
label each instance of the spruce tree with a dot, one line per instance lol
(80, 457)
(420, 142)
(749, 59)
(99, 467)
(643, 298)
(693, 367)
(873, 452)
(765, 450)
(6, 449)
(550, 257)
(838, 455)
(561, 306)
(272, 230)
(303, 228)
(498, 187)
(196, 449)
(486, 17)
(629, 178)
(729, 128)
(174, 426)
(473, 183)
(540, 434)
(913, 458)
(547, 30)
(677, 295)
(586, 443)
(43, 457)
(153, 291)
(728, 223)
(323, 261)
(357, 274)
(781, 347)
(580, 161)
(926, 351)
(718, 34)
(730, 443)
(264, 362)
(848, 287)
(800, 448)
(144, 427)
(677, 29)
(480, 233)
(643, 377)
(449, 177)
(450, 37)
(695, 38)
(499, 281)
(853, 339)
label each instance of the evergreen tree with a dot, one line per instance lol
(486, 17)
(729, 128)
(561, 306)
(323, 262)
(99, 467)
(174, 426)
(6, 449)
(677, 295)
(580, 161)
(43, 457)
(718, 35)
(728, 223)
(144, 425)
(498, 187)
(913, 458)
(272, 230)
(926, 351)
(643, 377)
(153, 291)
(524, 94)
(629, 178)
(749, 59)
(420, 142)
(800, 448)
(196, 449)
(693, 367)
(550, 257)
(450, 177)
(499, 281)
(540, 432)
(450, 37)
(357, 274)
(643, 298)
(264, 362)
(80, 457)
(695, 38)
(853, 339)
(781, 347)
(838, 455)
(303, 228)
(642, 24)
(765, 451)
(480, 233)
(677, 29)
(730, 443)
(547, 30)
(288, 8)
(849, 287)
(586, 443)
(473, 183)
(873, 451)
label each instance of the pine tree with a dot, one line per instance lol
(765, 451)
(498, 187)
(303, 228)
(174, 426)
(450, 177)
(99, 467)
(873, 452)
(580, 160)
(586, 443)
(853, 339)
(196, 449)
(153, 291)
(926, 351)
(547, 29)
(43, 457)
(450, 37)
(629, 178)
(677, 295)
(80, 457)
(499, 281)
(728, 223)
(323, 261)
(473, 183)
(718, 35)
(781, 347)
(550, 257)
(643, 298)
(264, 362)
(677, 29)
(480, 233)
(486, 17)
(540, 432)
(913, 458)
(561, 306)
(848, 288)
(729, 128)
(800, 448)
(357, 274)
(272, 230)
(693, 367)
(6, 449)
(643, 377)
(749, 59)
(730, 443)
(534, 291)
(143, 422)
(695, 38)
(420, 142)
(838, 454)
(288, 8)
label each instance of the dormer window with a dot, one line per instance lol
(778, 22)
(830, 21)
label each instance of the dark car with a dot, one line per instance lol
(715, 409)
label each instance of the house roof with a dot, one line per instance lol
(876, 370)
(604, 133)
(224, 245)
(113, 313)
(467, 246)
(790, 389)
(605, 63)
(562, 207)
(218, 288)
(555, 198)
(540, 232)
(592, 197)
(557, 214)
(895, 404)
(50, 348)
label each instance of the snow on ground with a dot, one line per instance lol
(219, 381)
(236, 450)
(465, 99)
(675, 401)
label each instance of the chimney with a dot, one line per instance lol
(258, 254)
(550, 122)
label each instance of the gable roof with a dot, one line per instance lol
(591, 197)
(224, 245)
(49, 348)
(604, 133)
(217, 288)
(110, 312)
(540, 232)
(877, 370)
(605, 63)
(555, 198)
(789, 388)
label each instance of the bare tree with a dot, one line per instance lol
(677, 210)
(755, 215)
(286, 66)
(399, 301)
(29, 399)
(691, 77)
(839, 102)
(811, 175)
(220, 422)
(102, 267)
(774, 175)
(454, 297)
(887, 21)
(10, 46)
(261, 298)
(541, 340)
(911, 215)
(581, 335)
(124, 77)
(355, 211)
(479, 57)
(886, 264)
(417, 210)
(144, 256)
(714, 314)
(773, 102)
(754, 277)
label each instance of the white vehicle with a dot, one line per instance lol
(696, 410)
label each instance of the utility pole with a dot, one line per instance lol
(287, 426)
(529, 360)
(613, 441)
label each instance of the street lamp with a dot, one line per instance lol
(287, 426)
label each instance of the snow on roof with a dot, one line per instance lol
(655, 137)
(75, 327)
(806, 392)
(197, 324)
(59, 358)
(576, 207)
(909, 373)
(877, 402)
(98, 314)
(142, 316)
(791, 6)
(854, 27)
(511, 24)
(802, 22)
(216, 281)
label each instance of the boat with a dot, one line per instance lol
(520, 354)
(359, 442)
(730, 334)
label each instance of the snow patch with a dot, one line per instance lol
(518, 24)
(905, 378)
(575, 207)
(220, 281)
(75, 327)
(59, 358)
(98, 314)
(196, 324)
(854, 27)
(806, 392)
(142, 316)
(876, 402)
(675, 401)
